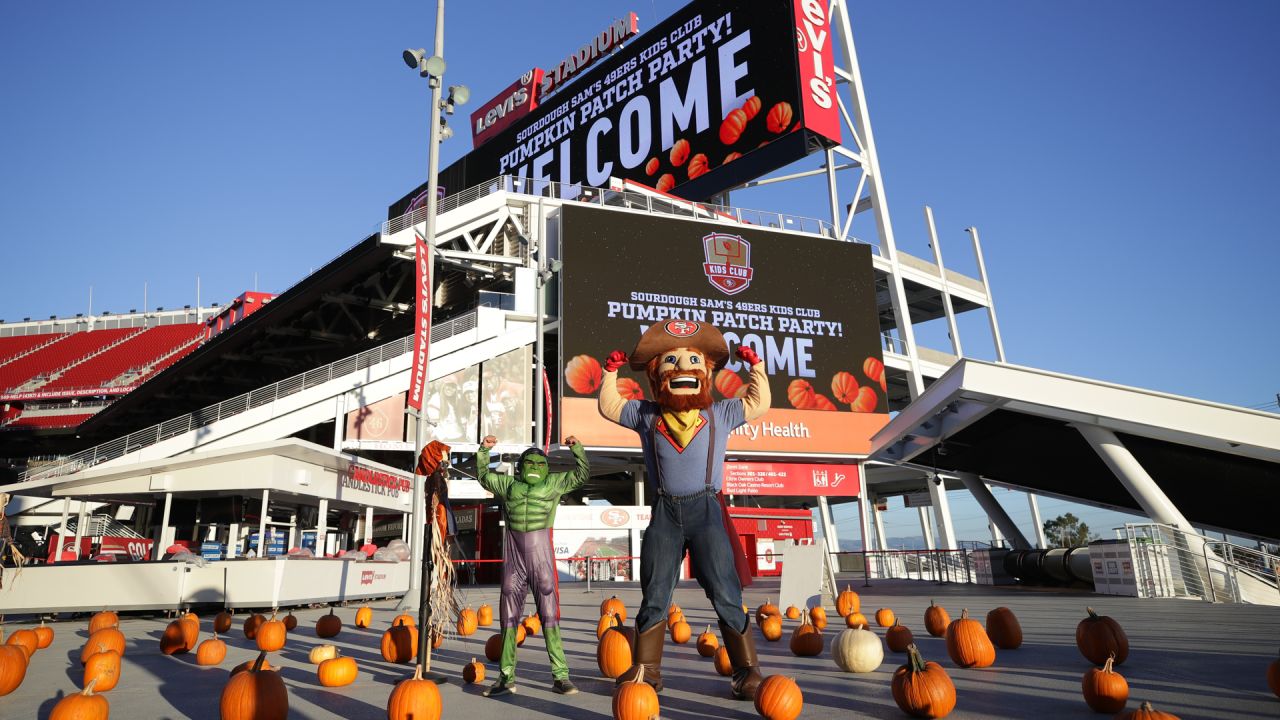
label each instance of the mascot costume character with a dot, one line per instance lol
(684, 435)
(529, 501)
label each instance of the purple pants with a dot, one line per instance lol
(529, 561)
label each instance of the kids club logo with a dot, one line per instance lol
(728, 265)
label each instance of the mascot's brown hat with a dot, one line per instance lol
(664, 336)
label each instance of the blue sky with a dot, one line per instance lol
(1117, 159)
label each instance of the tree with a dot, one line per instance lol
(1067, 531)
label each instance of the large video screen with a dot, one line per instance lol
(719, 93)
(806, 305)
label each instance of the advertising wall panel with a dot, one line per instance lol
(719, 93)
(805, 305)
(807, 479)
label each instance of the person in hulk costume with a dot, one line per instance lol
(684, 435)
(529, 500)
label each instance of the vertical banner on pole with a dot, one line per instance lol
(422, 326)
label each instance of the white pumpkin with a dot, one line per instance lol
(857, 650)
(320, 653)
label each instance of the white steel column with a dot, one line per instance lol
(875, 186)
(368, 525)
(1135, 479)
(997, 539)
(830, 539)
(262, 525)
(321, 529)
(991, 301)
(339, 420)
(881, 539)
(293, 531)
(1041, 542)
(947, 308)
(233, 541)
(925, 531)
(81, 519)
(867, 506)
(62, 530)
(164, 524)
(942, 515)
(995, 513)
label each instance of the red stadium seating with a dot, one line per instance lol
(136, 353)
(11, 347)
(57, 355)
(47, 421)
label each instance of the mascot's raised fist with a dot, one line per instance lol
(616, 359)
(746, 353)
(489, 441)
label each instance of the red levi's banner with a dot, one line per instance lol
(751, 478)
(422, 326)
(817, 68)
(518, 100)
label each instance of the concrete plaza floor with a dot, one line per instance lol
(1189, 658)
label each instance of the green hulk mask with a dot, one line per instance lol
(533, 467)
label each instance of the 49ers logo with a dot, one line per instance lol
(681, 328)
(728, 265)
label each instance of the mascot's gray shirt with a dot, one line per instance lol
(683, 470)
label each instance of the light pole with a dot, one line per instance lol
(431, 67)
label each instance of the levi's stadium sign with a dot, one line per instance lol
(718, 94)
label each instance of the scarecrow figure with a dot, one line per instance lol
(529, 500)
(684, 435)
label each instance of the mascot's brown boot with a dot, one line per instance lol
(742, 655)
(649, 654)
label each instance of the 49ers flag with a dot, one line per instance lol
(422, 325)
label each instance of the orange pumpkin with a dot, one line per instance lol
(290, 621)
(400, 644)
(723, 665)
(13, 666)
(437, 639)
(923, 689)
(364, 617)
(484, 616)
(866, 401)
(844, 387)
(414, 699)
(1003, 629)
(467, 622)
(806, 640)
(848, 602)
(873, 368)
(337, 672)
(1099, 637)
(779, 118)
(271, 636)
(614, 606)
(211, 651)
(248, 664)
(583, 374)
(222, 622)
(771, 628)
(665, 183)
(44, 635)
(800, 394)
(493, 647)
(729, 384)
(103, 668)
(793, 612)
(856, 620)
(404, 619)
(968, 644)
(256, 694)
(614, 653)
(328, 625)
(532, 624)
(885, 617)
(732, 126)
(635, 700)
(606, 622)
(26, 639)
(681, 632)
(473, 672)
(936, 620)
(767, 609)
(629, 389)
(751, 106)
(251, 625)
(898, 638)
(83, 705)
(707, 643)
(820, 402)
(1104, 689)
(779, 698)
(172, 641)
(818, 616)
(190, 626)
(104, 619)
(1146, 712)
(105, 639)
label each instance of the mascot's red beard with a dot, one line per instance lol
(676, 402)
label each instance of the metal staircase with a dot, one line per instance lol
(1171, 562)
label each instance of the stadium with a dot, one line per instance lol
(267, 445)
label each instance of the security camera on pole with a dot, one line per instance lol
(431, 67)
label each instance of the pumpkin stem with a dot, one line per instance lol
(640, 675)
(417, 672)
(1092, 614)
(88, 689)
(1146, 706)
(1106, 667)
(915, 663)
(257, 664)
(964, 613)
